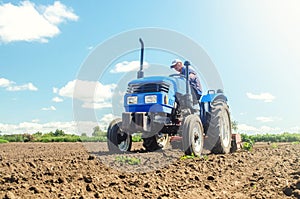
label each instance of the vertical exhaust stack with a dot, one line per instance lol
(188, 95)
(187, 64)
(140, 73)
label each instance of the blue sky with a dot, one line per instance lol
(254, 45)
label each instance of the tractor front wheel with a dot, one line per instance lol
(192, 135)
(117, 140)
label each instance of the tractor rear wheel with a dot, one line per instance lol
(150, 144)
(192, 135)
(219, 130)
(117, 140)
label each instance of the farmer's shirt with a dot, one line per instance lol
(194, 82)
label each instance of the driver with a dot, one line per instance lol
(193, 78)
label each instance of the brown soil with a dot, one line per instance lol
(75, 170)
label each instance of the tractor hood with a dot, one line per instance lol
(174, 84)
(153, 94)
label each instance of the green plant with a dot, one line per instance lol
(205, 157)
(184, 157)
(137, 138)
(128, 160)
(274, 146)
(3, 141)
(297, 142)
(248, 146)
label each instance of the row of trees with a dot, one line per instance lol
(284, 137)
(56, 136)
(99, 135)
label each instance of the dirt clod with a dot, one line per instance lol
(298, 185)
(9, 195)
(87, 179)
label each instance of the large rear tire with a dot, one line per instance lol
(117, 140)
(219, 130)
(192, 135)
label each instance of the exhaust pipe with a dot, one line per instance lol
(140, 73)
(187, 64)
(188, 95)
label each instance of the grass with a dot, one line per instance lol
(128, 160)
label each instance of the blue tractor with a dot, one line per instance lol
(162, 108)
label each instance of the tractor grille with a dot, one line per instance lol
(145, 88)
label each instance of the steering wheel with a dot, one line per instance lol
(176, 75)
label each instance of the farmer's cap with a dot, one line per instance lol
(175, 62)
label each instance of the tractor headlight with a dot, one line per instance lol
(150, 99)
(132, 100)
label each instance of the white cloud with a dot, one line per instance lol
(100, 105)
(28, 86)
(11, 85)
(55, 90)
(268, 119)
(266, 97)
(71, 127)
(35, 120)
(58, 13)
(126, 66)
(93, 94)
(248, 129)
(106, 120)
(265, 119)
(33, 127)
(5, 82)
(57, 99)
(51, 108)
(28, 22)
(295, 129)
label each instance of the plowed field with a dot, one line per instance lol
(76, 170)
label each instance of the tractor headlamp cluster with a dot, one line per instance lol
(150, 99)
(132, 100)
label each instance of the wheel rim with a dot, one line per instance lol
(163, 140)
(197, 141)
(225, 135)
(124, 145)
